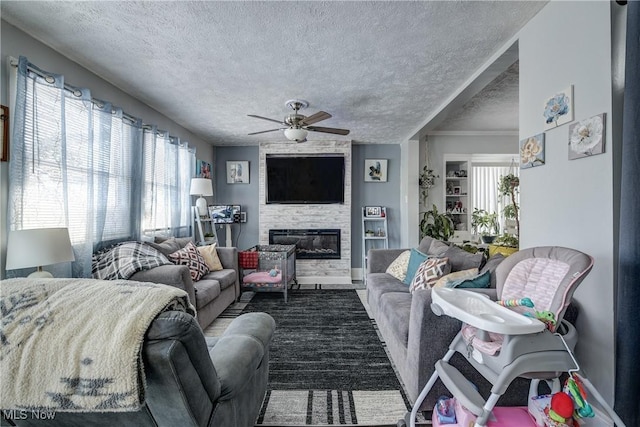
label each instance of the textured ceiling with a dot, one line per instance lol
(495, 108)
(380, 68)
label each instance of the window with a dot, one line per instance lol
(487, 171)
(80, 163)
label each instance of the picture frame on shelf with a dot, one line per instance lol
(373, 212)
(457, 191)
(238, 172)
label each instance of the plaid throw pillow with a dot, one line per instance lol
(429, 272)
(190, 257)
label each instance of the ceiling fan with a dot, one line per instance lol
(296, 126)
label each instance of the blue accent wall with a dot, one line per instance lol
(363, 194)
(244, 235)
(374, 194)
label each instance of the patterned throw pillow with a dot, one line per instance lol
(429, 272)
(445, 281)
(190, 257)
(398, 268)
(210, 255)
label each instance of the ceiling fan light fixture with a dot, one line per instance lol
(296, 134)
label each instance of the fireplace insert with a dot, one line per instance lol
(316, 243)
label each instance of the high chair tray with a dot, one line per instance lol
(477, 310)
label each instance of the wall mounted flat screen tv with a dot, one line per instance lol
(304, 179)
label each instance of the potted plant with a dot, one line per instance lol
(437, 225)
(508, 186)
(486, 224)
(426, 181)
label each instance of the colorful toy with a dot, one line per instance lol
(547, 317)
(274, 272)
(561, 408)
(524, 302)
(445, 410)
(574, 388)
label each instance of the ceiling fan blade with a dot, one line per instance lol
(315, 118)
(327, 130)
(265, 131)
(266, 118)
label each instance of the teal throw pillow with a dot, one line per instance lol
(482, 280)
(415, 259)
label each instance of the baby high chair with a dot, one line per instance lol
(505, 343)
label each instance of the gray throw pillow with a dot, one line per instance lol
(167, 246)
(461, 259)
(425, 244)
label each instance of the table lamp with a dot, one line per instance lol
(38, 247)
(201, 187)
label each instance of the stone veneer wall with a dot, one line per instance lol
(332, 271)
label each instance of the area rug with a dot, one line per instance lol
(327, 364)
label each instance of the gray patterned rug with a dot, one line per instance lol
(327, 364)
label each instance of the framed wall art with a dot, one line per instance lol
(237, 172)
(587, 137)
(375, 170)
(203, 169)
(532, 151)
(558, 109)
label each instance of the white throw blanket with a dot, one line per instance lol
(75, 344)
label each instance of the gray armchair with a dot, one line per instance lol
(192, 380)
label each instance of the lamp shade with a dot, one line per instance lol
(38, 247)
(201, 187)
(296, 134)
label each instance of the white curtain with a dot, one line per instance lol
(168, 168)
(78, 162)
(485, 188)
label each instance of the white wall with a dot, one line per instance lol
(16, 43)
(570, 202)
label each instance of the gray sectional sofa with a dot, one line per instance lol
(415, 337)
(212, 293)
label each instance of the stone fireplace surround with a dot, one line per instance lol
(311, 216)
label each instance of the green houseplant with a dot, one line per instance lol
(508, 185)
(486, 224)
(437, 225)
(426, 181)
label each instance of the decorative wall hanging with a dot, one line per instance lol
(532, 151)
(375, 170)
(4, 133)
(203, 169)
(558, 109)
(587, 137)
(237, 172)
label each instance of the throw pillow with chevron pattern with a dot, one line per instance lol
(190, 257)
(429, 272)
